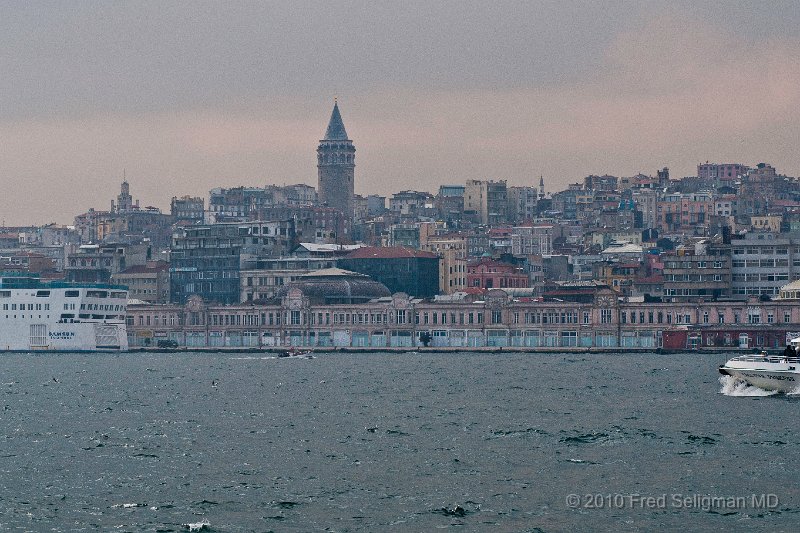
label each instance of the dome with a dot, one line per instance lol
(336, 286)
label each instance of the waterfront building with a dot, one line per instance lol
(336, 167)
(568, 315)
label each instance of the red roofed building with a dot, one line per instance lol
(401, 269)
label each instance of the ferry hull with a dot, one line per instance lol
(61, 316)
(772, 380)
(70, 337)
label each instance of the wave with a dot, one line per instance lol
(198, 526)
(735, 387)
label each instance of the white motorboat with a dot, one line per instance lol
(768, 372)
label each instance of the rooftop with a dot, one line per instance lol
(390, 252)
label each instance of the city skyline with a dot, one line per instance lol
(183, 100)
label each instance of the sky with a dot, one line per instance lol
(182, 97)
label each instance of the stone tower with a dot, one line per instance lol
(336, 163)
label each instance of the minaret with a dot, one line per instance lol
(336, 165)
(541, 187)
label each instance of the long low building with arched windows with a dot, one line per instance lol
(323, 311)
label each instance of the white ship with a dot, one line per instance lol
(58, 316)
(768, 372)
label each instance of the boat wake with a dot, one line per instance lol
(734, 387)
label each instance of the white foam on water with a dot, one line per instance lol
(205, 525)
(795, 392)
(734, 387)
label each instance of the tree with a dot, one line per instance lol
(425, 338)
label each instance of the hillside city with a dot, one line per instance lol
(658, 261)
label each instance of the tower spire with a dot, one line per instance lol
(335, 131)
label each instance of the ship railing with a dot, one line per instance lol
(767, 359)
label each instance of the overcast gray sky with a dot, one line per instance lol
(186, 96)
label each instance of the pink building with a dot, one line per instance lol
(684, 211)
(486, 273)
(721, 173)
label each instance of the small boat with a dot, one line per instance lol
(295, 353)
(768, 372)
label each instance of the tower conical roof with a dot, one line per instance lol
(335, 131)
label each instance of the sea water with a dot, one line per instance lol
(392, 442)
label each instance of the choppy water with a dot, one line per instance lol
(377, 442)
